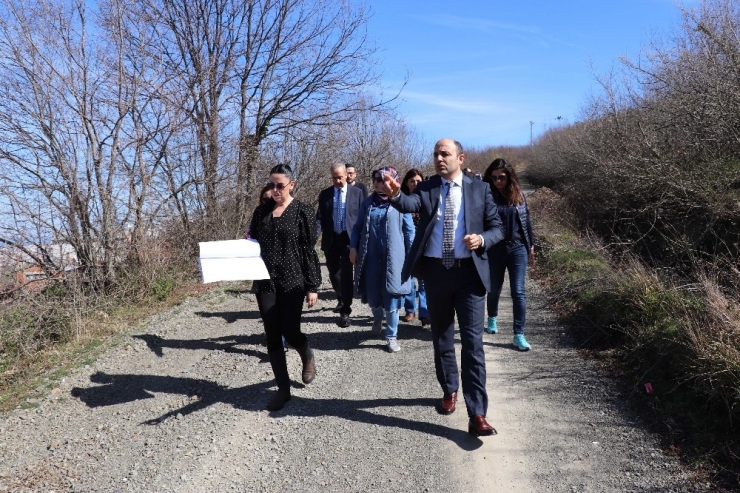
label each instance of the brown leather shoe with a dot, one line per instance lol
(309, 363)
(409, 317)
(448, 403)
(309, 370)
(479, 427)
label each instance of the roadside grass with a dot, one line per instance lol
(42, 340)
(675, 344)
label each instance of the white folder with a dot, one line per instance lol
(231, 260)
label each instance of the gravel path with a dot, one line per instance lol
(178, 406)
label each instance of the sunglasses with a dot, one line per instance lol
(277, 186)
(495, 178)
(378, 179)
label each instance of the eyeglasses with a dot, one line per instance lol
(496, 178)
(277, 186)
(378, 179)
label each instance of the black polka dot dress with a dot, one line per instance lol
(287, 247)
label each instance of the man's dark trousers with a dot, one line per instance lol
(458, 290)
(341, 270)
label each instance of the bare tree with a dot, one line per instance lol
(653, 163)
(76, 156)
(244, 72)
(369, 136)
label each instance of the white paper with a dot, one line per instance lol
(231, 260)
(229, 249)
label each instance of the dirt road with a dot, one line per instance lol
(177, 405)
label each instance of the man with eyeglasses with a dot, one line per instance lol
(352, 179)
(336, 214)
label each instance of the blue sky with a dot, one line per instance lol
(481, 70)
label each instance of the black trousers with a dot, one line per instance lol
(450, 292)
(281, 313)
(341, 270)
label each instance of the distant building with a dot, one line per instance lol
(33, 279)
(19, 272)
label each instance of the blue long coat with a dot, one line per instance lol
(399, 228)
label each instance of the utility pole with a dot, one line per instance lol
(531, 124)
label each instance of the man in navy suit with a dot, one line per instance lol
(336, 214)
(458, 223)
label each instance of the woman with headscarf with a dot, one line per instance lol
(380, 239)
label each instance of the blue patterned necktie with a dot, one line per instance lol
(338, 211)
(448, 237)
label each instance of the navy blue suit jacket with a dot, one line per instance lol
(325, 212)
(481, 217)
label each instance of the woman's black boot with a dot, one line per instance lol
(280, 369)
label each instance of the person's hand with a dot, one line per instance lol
(390, 185)
(473, 242)
(353, 256)
(531, 253)
(311, 299)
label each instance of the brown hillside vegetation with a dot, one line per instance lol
(651, 176)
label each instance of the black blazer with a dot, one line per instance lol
(481, 217)
(363, 187)
(325, 212)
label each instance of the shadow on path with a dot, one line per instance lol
(118, 389)
(231, 317)
(226, 344)
(352, 339)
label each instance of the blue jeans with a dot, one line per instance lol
(514, 257)
(391, 321)
(409, 301)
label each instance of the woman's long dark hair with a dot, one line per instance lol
(409, 174)
(512, 192)
(260, 200)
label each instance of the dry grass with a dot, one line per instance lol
(715, 341)
(681, 336)
(41, 339)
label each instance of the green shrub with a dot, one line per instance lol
(576, 263)
(28, 328)
(55, 290)
(162, 288)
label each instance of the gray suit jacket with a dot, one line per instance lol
(481, 217)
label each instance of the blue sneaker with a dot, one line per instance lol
(521, 343)
(491, 327)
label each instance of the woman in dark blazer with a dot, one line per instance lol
(514, 252)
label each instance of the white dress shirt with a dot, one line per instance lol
(434, 245)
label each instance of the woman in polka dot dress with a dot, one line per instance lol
(285, 231)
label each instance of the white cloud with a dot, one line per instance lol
(533, 34)
(474, 106)
(477, 24)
